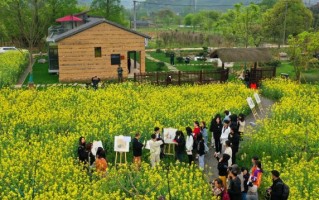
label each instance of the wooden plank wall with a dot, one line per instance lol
(77, 61)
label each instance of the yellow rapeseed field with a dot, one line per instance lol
(288, 140)
(39, 131)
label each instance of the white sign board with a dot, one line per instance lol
(169, 135)
(250, 103)
(257, 98)
(122, 143)
(95, 146)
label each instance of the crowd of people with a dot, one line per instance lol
(232, 183)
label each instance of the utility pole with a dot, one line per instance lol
(134, 4)
(285, 21)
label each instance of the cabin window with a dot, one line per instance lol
(115, 59)
(98, 52)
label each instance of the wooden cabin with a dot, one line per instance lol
(94, 48)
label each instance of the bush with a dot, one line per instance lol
(159, 51)
(12, 64)
(180, 59)
(273, 63)
(160, 66)
(168, 53)
(313, 63)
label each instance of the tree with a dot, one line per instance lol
(302, 48)
(266, 4)
(241, 24)
(165, 16)
(286, 18)
(111, 10)
(315, 11)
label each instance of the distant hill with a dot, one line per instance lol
(183, 5)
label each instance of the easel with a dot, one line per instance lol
(252, 107)
(169, 149)
(121, 157)
(260, 107)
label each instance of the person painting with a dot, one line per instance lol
(179, 146)
(81, 149)
(120, 74)
(101, 163)
(137, 150)
(157, 132)
(155, 150)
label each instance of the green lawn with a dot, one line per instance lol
(161, 56)
(194, 67)
(311, 76)
(287, 68)
(41, 74)
(152, 66)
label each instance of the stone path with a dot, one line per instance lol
(169, 66)
(211, 162)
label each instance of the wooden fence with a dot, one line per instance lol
(257, 75)
(182, 77)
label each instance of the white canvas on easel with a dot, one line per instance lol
(258, 102)
(121, 146)
(95, 146)
(122, 143)
(252, 107)
(169, 135)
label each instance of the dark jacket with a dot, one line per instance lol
(234, 190)
(180, 148)
(216, 128)
(137, 148)
(234, 141)
(246, 177)
(201, 147)
(81, 153)
(222, 168)
(88, 155)
(277, 190)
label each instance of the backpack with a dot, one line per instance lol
(285, 190)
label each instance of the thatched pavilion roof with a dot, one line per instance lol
(242, 54)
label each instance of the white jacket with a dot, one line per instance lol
(189, 143)
(155, 147)
(225, 134)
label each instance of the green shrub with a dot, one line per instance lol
(180, 59)
(159, 51)
(160, 66)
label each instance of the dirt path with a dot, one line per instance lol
(211, 162)
(25, 74)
